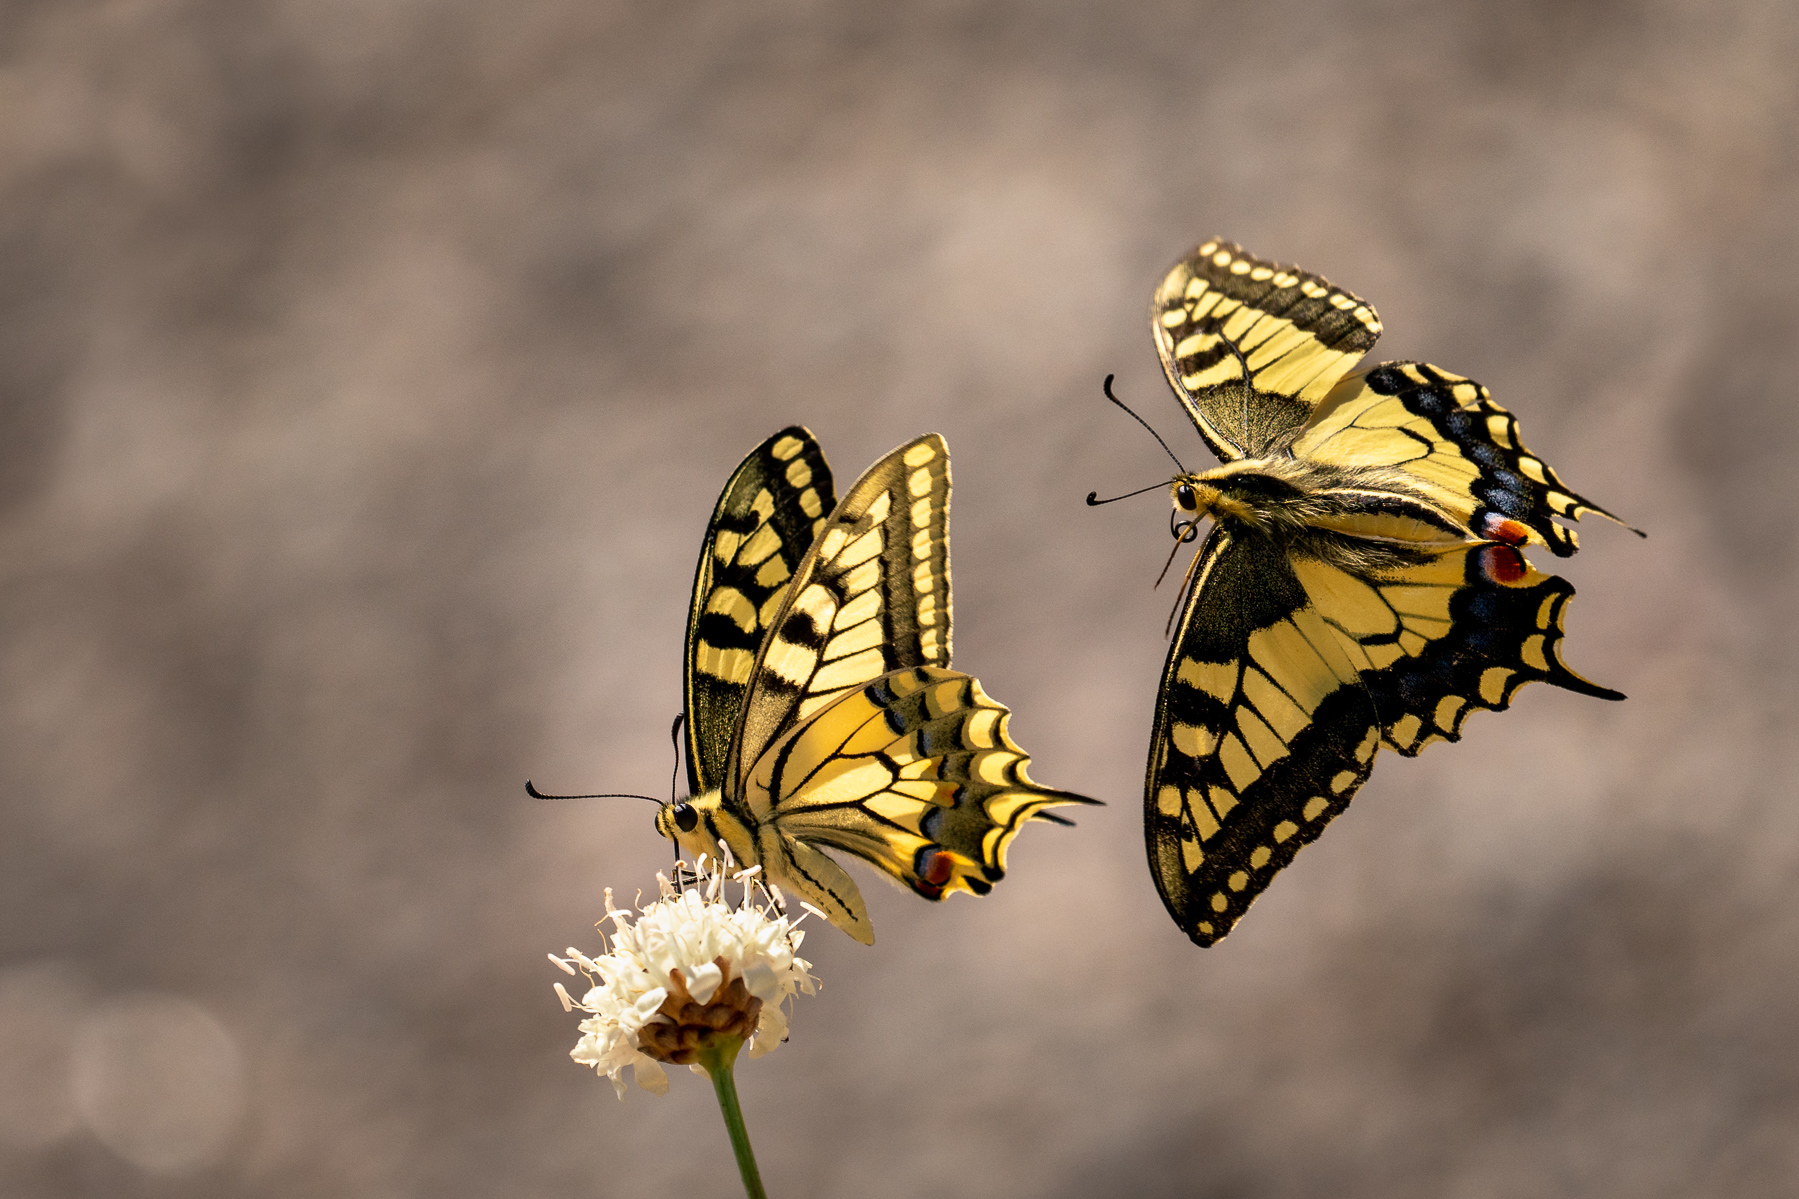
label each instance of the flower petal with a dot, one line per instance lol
(703, 982)
(760, 978)
(651, 1076)
(648, 1002)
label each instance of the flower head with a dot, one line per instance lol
(692, 970)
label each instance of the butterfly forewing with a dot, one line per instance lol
(871, 596)
(764, 521)
(1291, 670)
(914, 772)
(1253, 347)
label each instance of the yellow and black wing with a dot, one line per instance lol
(914, 773)
(1438, 437)
(765, 520)
(1252, 347)
(871, 596)
(1289, 671)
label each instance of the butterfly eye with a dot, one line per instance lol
(1183, 495)
(686, 818)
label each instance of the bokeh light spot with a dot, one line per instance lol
(159, 1080)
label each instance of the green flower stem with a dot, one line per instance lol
(716, 1060)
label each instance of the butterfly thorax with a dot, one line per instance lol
(699, 823)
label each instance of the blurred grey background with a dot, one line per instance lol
(368, 373)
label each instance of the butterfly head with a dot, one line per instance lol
(699, 824)
(1196, 497)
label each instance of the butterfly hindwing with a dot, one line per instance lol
(914, 772)
(1290, 671)
(764, 522)
(871, 596)
(1445, 440)
(1252, 347)
(1502, 621)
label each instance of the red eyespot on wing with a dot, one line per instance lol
(1502, 564)
(934, 869)
(1499, 528)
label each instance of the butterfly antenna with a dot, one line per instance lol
(534, 793)
(1094, 503)
(674, 735)
(1107, 388)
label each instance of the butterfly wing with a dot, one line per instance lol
(764, 521)
(914, 772)
(1289, 672)
(1422, 431)
(871, 596)
(1252, 347)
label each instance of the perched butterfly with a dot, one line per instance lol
(821, 709)
(1362, 584)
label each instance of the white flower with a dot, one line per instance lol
(691, 968)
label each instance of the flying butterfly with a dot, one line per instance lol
(821, 710)
(1362, 584)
